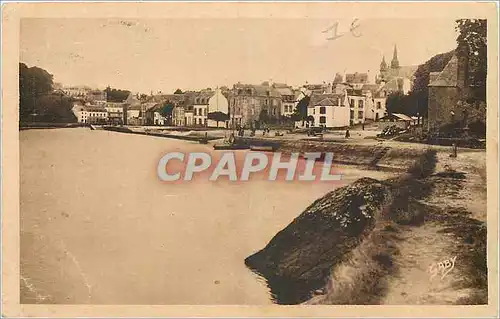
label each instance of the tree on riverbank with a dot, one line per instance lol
(34, 82)
(37, 100)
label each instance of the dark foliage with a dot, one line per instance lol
(34, 82)
(116, 95)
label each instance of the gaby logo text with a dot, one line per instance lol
(177, 166)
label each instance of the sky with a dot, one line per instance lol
(191, 54)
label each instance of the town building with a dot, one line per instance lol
(357, 106)
(394, 77)
(135, 112)
(255, 103)
(288, 99)
(90, 114)
(97, 97)
(356, 80)
(115, 112)
(77, 91)
(154, 115)
(329, 110)
(451, 95)
(200, 108)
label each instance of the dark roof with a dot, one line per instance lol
(397, 117)
(325, 99)
(395, 84)
(447, 77)
(92, 108)
(255, 90)
(355, 92)
(285, 91)
(356, 78)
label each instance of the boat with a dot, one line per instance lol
(231, 147)
(263, 148)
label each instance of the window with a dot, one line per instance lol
(322, 110)
(360, 104)
(322, 119)
(379, 105)
(314, 111)
(352, 114)
(351, 103)
(360, 114)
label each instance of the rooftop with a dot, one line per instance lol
(447, 77)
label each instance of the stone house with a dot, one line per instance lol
(449, 91)
(249, 101)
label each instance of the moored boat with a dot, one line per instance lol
(264, 148)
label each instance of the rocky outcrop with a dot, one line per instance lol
(299, 259)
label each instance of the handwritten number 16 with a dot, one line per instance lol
(334, 27)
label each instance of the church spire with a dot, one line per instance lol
(383, 64)
(395, 62)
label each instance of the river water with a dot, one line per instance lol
(97, 226)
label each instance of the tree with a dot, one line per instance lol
(218, 117)
(300, 111)
(472, 35)
(55, 108)
(34, 82)
(263, 117)
(115, 95)
(178, 91)
(166, 110)
(394, 102)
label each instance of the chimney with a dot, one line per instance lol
(462, 67)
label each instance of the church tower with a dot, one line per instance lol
(395, 62)
(383, 65)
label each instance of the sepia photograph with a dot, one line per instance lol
(255, 160)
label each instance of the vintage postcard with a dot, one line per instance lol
(250, 159)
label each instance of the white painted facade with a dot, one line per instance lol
(358, 107)
(330, 113)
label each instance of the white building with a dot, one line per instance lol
(218, 103)
(288, 101)
(329, 110)
(189, 117)
(200, 108)
(91, 114)
(77, 91)
(367, 103)
(357, 105)
(115, 112)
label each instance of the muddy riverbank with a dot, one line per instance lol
(329, 255)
